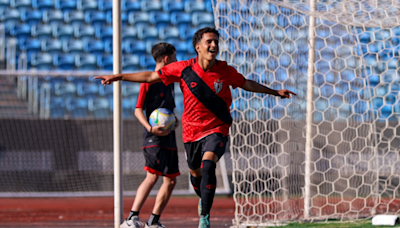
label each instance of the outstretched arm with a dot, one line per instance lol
(145, 76)
(253, 86)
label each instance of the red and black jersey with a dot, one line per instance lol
(199, 121)
(151, 97)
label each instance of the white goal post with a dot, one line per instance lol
(332, 151)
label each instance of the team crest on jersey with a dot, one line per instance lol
(218, 85)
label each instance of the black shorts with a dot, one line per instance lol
(161, 161)
(195, 150)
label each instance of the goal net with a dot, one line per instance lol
(332, 151)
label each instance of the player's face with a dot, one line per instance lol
(208, 46)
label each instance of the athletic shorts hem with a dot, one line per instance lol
(158, 173)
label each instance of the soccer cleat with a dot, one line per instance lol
(204, 221)
(132, 223)
(199, 207)
(159, 225)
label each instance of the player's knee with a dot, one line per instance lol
(151, 178)
(196, 172)
(208, 167)
(171, 182)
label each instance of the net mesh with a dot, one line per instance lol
(353, 168)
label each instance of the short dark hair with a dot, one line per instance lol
(162, 49)
(199, 34)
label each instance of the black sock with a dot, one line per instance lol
(208, 186)
(153, 219)
(196, 181)
(133, 213)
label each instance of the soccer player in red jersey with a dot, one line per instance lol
(205, 83)
(159, 146)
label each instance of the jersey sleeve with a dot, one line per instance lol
(144, 87)
(172, 72)
(237, 79)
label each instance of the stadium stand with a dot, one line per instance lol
(77, 35)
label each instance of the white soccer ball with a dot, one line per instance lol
(163, 116)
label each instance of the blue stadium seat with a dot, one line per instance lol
(108, 46)
(105, 62)
(181, 19)
(75, 18)
(85, 32)
(30, 46)
(160, 19)
(87, 89)
(86, 62)
(195, 7)
(128, 106)
(181, 47)
(53, 17)
(131, 62)
(63, 32)
(99, 107)
(65, 5)
(190, 48)
(188, 33)
(95, 18)
(105, 33)
(131, 6)
(173, 6)
(129, 89)
(147, 62)
(21, 31)
(94, 47)
(77, 107)
(57, 107)
(87, 5)
(169, 34)
(209, 7)
(134, 46)
(10, 17)
(106, 5)
(129, 33)
(31, 17)
(151, 6)
(4, 4)
(148, 33)
(73, 46)
(139, 19)
(53, 46)
(43, 5)
(42, 61)
(64, 61)
(21, 5)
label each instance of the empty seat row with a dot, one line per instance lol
(98, 47)
(99, 18)
(47, 61)
(107, 5)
